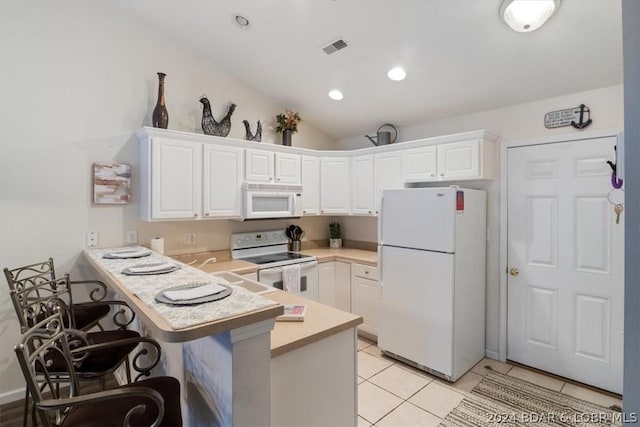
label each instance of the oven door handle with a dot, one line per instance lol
(278, 270)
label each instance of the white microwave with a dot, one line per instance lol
(272, 200)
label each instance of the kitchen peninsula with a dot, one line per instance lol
(235, 370)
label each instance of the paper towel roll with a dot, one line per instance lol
(157, 244)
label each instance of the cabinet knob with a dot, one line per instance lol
(270, 179)
(441, 174)
(366, 272)
(433, 174)
(369, 211)
(304, 211)
(207, 214)
(278, 179)
(195, 215)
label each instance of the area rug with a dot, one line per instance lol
(503, 400)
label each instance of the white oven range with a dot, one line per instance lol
(269, 249)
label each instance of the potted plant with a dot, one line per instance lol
(335, 235)
(287, 124)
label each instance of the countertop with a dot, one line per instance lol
(320, 321)
(344, 254)
(242, 307)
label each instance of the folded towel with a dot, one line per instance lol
(192, 293)
(291, 278)
(148, 268)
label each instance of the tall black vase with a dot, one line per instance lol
(160, 117)
(286, 137)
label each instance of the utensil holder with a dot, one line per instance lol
(296, 245)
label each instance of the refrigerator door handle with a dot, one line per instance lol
(380, 266)
(380, 242)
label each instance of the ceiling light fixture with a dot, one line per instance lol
(241, 20)
(336, 95)
(525, 16)
(397, 74)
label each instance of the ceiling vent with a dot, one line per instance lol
(335, 46)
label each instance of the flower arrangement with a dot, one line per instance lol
(288, 120)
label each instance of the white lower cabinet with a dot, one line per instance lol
(365, 296)
(334, 284)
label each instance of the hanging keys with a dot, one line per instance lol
(618, 210)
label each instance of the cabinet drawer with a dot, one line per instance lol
(365, 271)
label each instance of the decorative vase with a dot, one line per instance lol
(286, 137)
(335, 243)
(160, 117)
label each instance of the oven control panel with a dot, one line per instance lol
(258, 239)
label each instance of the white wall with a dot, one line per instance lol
(78, 79)
(515, 122)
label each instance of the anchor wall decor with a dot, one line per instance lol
(570, 117)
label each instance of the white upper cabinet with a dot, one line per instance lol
(362, 181)
(222, 181)
(334, 185)
(310, 185)
(259, 165)
(459, 160)
(268, 166)
(388, 167)
(287, 168)
(174, 190)
(420, 164)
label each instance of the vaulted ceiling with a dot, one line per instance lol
(459, 56)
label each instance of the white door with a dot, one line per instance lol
(287, 168)
(365, 302)
(259, 165)
(388, 167)
(565, 302)
(176, 178)
(222, 186)
(310, 185)
(327, 284)
(334, 185)
(362, 185)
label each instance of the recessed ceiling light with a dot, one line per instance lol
(241, 20)
(336, 95)
(397, 74)
(525, 16)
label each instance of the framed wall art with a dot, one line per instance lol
(111, 183)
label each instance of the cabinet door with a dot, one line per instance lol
(334, 185)
(420, 164)
(222, 186)
(459, 160)
(176, 177)
(287, 168)
(388, 168)
(343, 285)
(365, 302)
(327, 284)
(310, 185)
(362, 185)
(259, 165)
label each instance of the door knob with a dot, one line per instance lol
(514, 271)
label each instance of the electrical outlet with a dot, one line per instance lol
(92, 239)
(132, 237)
(189, 238)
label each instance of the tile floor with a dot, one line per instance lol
(393, 394)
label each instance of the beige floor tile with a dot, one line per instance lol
(374, 402)
(481, 366)
(375, 351)
(363, 423)
(465, 383)
(399, 381)
(590, 395)
(364, 343)
(408, 415)
(360, 379)
(369, 365)
(536, 378)
(437, 399)
(416, 371)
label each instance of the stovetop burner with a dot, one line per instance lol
(277, 257)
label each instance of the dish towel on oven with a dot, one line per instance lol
(291, 278)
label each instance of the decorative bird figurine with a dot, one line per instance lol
(209, 125)
(251, 137)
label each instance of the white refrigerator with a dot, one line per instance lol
(432, 244)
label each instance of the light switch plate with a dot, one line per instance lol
(132, 237)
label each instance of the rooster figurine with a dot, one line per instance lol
(209, 125)
(251, 137)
